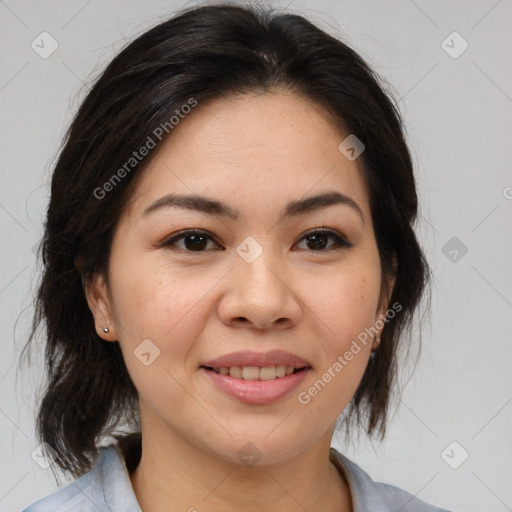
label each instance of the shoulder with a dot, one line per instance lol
(105, 488)
(376, 496)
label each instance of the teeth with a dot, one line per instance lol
(236, 372)
(250, 373)
(268, 373)
(256, 373)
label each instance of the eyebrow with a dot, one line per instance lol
(214, 207)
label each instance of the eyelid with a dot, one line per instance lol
(191, 231)
(342, 241)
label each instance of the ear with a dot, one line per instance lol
(99, 302)
(385, 297)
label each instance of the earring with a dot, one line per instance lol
(104, 329)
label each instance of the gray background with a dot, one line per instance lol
(457, 112)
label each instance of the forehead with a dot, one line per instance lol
(251, 149)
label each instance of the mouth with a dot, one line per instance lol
(256, 377)
(255, 385)
(264, 373)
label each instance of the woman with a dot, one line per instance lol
(230, 264)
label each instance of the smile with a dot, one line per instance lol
(249, 387)
(255, 372)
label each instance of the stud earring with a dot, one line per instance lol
(104, 329)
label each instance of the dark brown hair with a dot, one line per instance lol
(203, 53)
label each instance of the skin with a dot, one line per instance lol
(197, 305)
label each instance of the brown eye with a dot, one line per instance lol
(193, 241)
(197, 241)
(318, 241)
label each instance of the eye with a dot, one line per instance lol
(316, 240)
(197, 240)
(193, 240)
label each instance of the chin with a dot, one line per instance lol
(259, 450)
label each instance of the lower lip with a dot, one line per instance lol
(257, 391)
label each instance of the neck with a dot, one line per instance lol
(173, 475)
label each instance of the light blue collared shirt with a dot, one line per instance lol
(107, 488)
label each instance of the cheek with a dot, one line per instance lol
(170, 314)
(347, 302)
(152, 304)
(153, 300)
(346, 305)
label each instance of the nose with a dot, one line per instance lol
(259, 296)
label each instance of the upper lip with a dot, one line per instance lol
(258, 359)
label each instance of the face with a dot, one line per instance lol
(245, 278)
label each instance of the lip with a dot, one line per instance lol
(259, 359)
(256, 391)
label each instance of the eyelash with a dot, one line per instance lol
(341, 242)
